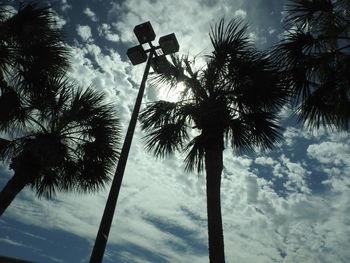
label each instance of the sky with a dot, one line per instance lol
(289, 205)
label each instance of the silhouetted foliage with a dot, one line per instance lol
(233, 100)
(55, 135)
(31, 46)
(315, 55)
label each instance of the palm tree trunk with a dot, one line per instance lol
(9, 192)
(213, 167)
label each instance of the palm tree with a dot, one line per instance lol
(233, 100)
(56, 137)
(315, 55)
(68, 145)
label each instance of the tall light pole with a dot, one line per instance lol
(168, 45)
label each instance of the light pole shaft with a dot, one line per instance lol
(106, 221)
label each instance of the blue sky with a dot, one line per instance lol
(287, 206)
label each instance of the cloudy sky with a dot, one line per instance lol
(291, 205)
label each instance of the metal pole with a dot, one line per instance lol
(106, 221)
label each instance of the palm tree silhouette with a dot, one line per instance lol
(233, 100)
(315, 55)
(56, 136)
(70, 145)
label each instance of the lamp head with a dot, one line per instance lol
(169, 44)
(144, 33)
(137, 55)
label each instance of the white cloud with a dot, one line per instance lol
(241, 13)
(64, 5)
(8, 11)
(291, 134)
(190, 27)
(258, 40)
(252, 189)
(84, 32)
(11, 242)
(271, 30)
(108, 73)
(105, 31)
(296, 175)
(60, 22)
(87, 11)
(264, 160)
(335, 153)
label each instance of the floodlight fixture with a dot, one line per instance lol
(144, 33)
(137, 55)
(169, 44)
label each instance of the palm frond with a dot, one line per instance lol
(166, 139)
(298, 57)
(47, 184)
(84, 105)
(174, 73)
(52, 97)
(255, 82)
(253, 130)
(313, 59)
(92, 124)
(179, 71)
(14, 113)
(238, 134)
(240, 73)
(194, 160)
(228, 39)
(94, 175)
(90, 172)
(263, 129)
(324, 18)
(33, 46)
(326, 107)
(307, 12)
(230, 44)
(194, 82)
(157, 114)
(7, 149)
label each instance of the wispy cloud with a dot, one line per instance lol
(11, 242)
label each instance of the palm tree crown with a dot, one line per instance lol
(315, 54)
(69, 146)
(56, 137)
(233, 100)
(237, 94)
